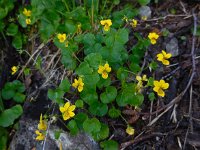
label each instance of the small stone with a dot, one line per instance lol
(145, 11)
(172, 47)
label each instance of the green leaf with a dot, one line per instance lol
(70, 27)
(88, 39)
(64, 85)
(89, 97)
(91, 81)
(17, 41)
(98, 109)
(153, 65)
(109, 95)
(19, 86)
(151, 96)
(84, 69)
(8, 117)
(136, 100)
(72, 126)
(19, 97)
(94, 60)
(143, 2)
(135, 67)
(122, 74)
(91, 125)
(3, 12)
(56, 95)
(8, 93)
(102, 134)
(114, 113)
(2, 25)
(12, 29)
(3, 138)
(150, 82)
(79, 103)
(116, 2)
(57, 134)
(68, 61)
(122, 36)
(22, 20)
(109, 145)
(80, 118)
(103, 82)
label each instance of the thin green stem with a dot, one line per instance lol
(129, 72)
(124, 119)
(104, 5)
(66, 5)
(1, 104)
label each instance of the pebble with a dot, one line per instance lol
(145, 11)
(172, 47)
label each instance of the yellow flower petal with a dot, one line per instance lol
(130, 130)
(156, 83)
(168, 55)
(153, 41)
(71, 108)
(138, 78)
(75, 84)
(165, 62)
(144, 77)
(71, 114)
(161, 93)
(67, 105)
(62, 37)
(156, 89)
(66, 116)
(62, 109)
(101, 69)
(80, 88)
(105, 75)
(107, 68)
(106, 28)
(28, 21)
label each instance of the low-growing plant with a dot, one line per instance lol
(107, 75)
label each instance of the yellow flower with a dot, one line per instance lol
(104, 70)
(66, 43)
(106, 23)
(79, 28)
(26, 12)
(67, 111)
(163, 57)
(153, 37)
(28, 21)
(14, 69)
(144, 18)
(133, 23)
(125, 19)
(40, 136)
(62, 37)
(159, 86)
(130, 130)
(42, 124)
(140, 79)
(78, 84)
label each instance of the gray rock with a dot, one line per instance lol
(24, 139)
(172, 47)
(145, 11)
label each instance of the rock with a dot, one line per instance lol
(24, 138)
(172, 47)
(145, 11)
